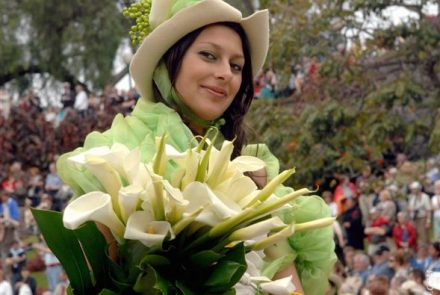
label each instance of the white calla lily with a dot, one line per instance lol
(219, 162)
(160, 11)
(282, 286)
(247, 163)
(142, 227)
(107, 176)
(257, 229)
(236, 188)
(130, 198)
(96, 151)
(200, 195)
(93, 206)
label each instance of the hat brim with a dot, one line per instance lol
(154, 46)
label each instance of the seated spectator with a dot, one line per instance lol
(26, 283)
(399, 263)
(377, 231)
(362, 267)
(434, 252)
(378, 285)
(422, 259)
(381, 263)
(404, 233)
(345, 189)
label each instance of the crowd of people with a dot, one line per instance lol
(387, 231)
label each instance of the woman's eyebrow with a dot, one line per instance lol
(219, 47)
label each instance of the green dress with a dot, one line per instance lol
(313, 250)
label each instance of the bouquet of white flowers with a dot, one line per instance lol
(180, 224)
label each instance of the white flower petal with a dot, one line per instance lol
(247, 163)
(97, 151)
(149, 233)
(93, 206)
(129, 199)
(257, 229)
(199, 195)
(282, 286)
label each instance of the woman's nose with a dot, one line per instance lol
(223, 70)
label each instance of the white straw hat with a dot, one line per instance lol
(170, 26)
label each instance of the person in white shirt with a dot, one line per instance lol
(81, 99)
(5, 286)
(419, 208)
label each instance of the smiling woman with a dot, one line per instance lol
(171, 173)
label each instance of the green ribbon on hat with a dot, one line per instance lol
(172, 100)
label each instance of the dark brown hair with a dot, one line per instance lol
(234, 127)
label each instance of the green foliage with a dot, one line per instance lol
(70, 40)
(379, 97)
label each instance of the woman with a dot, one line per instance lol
(195, 70)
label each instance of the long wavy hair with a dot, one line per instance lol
(234, 127)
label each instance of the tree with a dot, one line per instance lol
(377, 92)
(69, 40)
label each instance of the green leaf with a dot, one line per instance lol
(95, 251)
(184, 289)
(67, 249)
(228, 271)
(107, 292)
(205, 258)
(150, 282)
(154, 260)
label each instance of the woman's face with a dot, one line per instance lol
(211, 72)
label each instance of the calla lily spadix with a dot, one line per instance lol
(142, 227)
(93, 206)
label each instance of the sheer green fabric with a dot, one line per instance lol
(312, 251)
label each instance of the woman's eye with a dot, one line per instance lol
(236, 67)
(207, 55)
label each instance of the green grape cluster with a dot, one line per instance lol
(139, 11)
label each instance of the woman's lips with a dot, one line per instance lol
(216, 91)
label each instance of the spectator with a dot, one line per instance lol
(68, 96)
(377, 231)
(378, 285)
(435, 202)
(422, 260)
(387, 206)
(344, 189)
(62, 284)
(399, 263)
(352, 223)
(434, 251)
(9, 221)
(53, 265)
(16, 260)
(81, 100)
(53, 184)
(419, 207)
(404, 233)
(362, 267)
(381, 263)
(5, 285)
(26, 283)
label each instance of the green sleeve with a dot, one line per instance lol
(312, 250)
